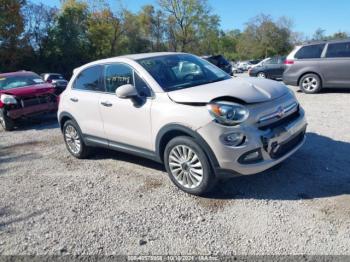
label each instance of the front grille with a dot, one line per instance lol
(38, 100)
(281, 122)
(288, 146)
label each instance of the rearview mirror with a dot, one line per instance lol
(126, 91)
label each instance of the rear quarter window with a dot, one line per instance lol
(310, 51)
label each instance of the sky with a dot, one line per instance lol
(307, 15)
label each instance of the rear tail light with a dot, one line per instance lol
(289, 62)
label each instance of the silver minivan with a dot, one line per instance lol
(320, 64)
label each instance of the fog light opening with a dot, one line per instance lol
(233, 139)
(251, 157)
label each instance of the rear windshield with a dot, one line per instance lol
(310, 51)
(11, 82)
(55, 77)
(218, 60)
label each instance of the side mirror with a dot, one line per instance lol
(126, 91)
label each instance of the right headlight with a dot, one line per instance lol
(8, 99)
(228, 113)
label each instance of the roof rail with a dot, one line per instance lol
(326, 41)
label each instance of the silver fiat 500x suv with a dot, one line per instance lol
(182, 111)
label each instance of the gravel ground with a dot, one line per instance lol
(113, 203)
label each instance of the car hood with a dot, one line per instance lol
(250, 90)
(32, 90)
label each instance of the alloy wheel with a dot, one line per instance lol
(2, 121)
(262, 75)
(72, 139)
(310, 84)
(185, 166)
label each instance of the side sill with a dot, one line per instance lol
(101, 142)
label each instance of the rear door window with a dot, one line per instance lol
(281, 59)
(338, 50)
(90, 79)
(310, 51)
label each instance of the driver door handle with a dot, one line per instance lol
(106, 103)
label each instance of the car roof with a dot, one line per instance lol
(133, 57)
(18, 73)
(51, 74)
(326, 41)
(148, 55)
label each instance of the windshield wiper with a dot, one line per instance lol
(218, 80)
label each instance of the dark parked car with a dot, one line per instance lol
(23, 94)
(272, 68)
(57, 80)
(316, 65)
(220, 62)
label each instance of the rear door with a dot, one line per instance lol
(306, 59)
(280, 68)
(271, 67)
(336, 65)
(83, 101)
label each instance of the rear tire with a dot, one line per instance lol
(261, 75)
(74, 140)
(7, 123)
(310, 84)
(188, 166)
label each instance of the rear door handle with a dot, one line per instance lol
(106, 103)
(74, 99)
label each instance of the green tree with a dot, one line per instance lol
(319, 34)
(228, 44)
(186, 19)
(152, 25)
(104, 33)
(39, 20)
(68, 47)
(339, 35)
(11, 29)
(134, 40)
(264, 37)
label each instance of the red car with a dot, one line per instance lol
(24, 94)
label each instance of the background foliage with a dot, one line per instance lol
(43, 39)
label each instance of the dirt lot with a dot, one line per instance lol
(51, 203)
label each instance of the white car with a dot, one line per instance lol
(261, 63)
(182, 111)
(243, 65)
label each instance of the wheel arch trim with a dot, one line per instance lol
(167, 129)
(310, 72)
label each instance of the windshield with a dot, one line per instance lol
(15, 81)
(174, 72)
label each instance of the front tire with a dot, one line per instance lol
(188, 166)
(310, 84)
(74, 140)
(6, 122)
(261, 75)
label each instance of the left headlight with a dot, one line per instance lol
(228, 113)
(8, 99)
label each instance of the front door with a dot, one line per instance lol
(127, 121)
